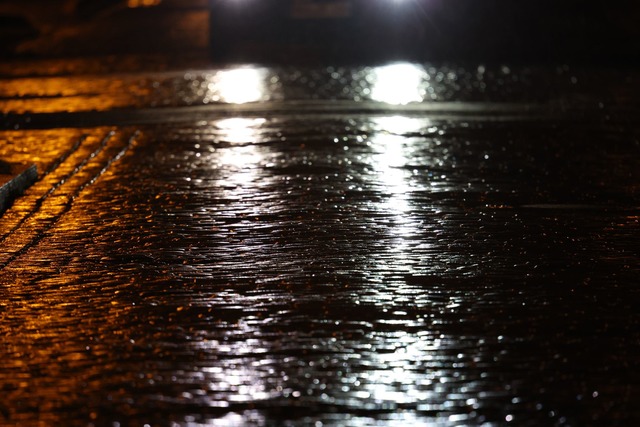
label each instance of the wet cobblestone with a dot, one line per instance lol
(350, 270)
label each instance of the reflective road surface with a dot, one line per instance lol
(397, 245)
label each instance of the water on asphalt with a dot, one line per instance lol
(277, 268)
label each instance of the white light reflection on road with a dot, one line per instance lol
(399, 84)
(240, 130)
(411, 369)
(245, 378)
(402, 359)
(392, 154)
(237, 161)
(242, 159)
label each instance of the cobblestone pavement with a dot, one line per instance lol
(305, 246)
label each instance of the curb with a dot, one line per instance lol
(14, 180)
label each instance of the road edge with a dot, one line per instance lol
(12, 185)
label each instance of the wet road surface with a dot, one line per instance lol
(322, 247)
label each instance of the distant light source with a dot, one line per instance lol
(398, 84)
(143, 3)
(239, 85)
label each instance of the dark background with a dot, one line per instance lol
(527, 31)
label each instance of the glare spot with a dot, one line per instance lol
(398, 84)
(239, 85)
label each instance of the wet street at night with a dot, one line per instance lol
(395, 245)
(448, 239)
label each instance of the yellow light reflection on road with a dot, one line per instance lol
(398, 84)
